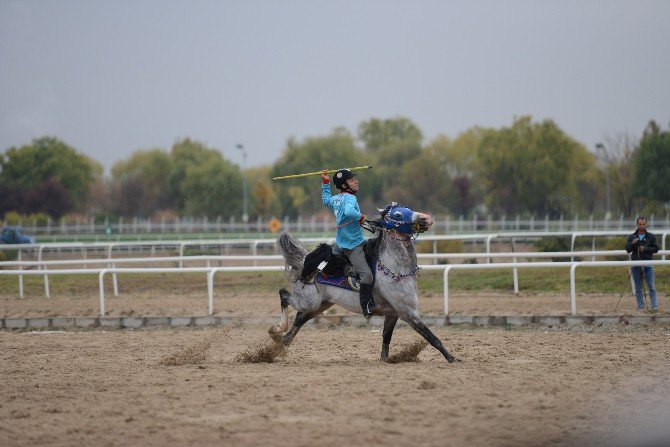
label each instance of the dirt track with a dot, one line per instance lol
(535, 386)
(514, 387)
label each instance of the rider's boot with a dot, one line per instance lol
(367, 303)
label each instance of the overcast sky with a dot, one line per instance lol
(112, 77)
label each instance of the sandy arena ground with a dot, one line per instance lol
(575, 386)
(563, 386)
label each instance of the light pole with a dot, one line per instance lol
(601, 147)
(245, 214)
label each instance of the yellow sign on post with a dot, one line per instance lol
(274, 225)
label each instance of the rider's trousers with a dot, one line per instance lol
(357, 258)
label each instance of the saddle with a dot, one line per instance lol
(326, 266)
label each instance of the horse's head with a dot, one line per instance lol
(404, 220)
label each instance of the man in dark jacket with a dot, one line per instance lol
(642, 246)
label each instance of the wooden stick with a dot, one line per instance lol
(330, 171)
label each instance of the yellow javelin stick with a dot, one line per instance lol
(330, 171)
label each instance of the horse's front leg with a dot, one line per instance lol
(300, 319)
(415, 322)
(389, 324)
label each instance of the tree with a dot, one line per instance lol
(142, 183)
(460, 160)
(262, 191)
(11, 198)
(391, 143)
(377, 134)
(212, 189)
(185, 155)
(652, 164)
(532, 167)
(191, 179)
(48, 159)
(303, 195)
(424, 184)
(50, 197)
(621, 169)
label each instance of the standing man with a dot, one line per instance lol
(349, 234)
(642, 246)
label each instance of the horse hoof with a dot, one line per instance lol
(452, 359)
(277, 338)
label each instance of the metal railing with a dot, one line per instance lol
(211, 271)
(109, 230)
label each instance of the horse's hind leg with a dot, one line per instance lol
(283, 324)
(415, 322)
(300, 319)
(389, 324)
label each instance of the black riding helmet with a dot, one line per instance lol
(340, 178)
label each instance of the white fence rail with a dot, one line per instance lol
(232, 224)
(254, 244)
(111, 263)
(211, 271)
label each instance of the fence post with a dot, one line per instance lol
(573, 303)
(20, 277)
(101, 285)
(446, 289)
(210, 291)
(515, 271)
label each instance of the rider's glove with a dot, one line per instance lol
(362, 219)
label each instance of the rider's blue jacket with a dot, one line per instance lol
(347, 214)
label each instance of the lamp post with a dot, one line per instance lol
(601, 147)
(245, 214)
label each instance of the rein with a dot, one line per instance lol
(345, 224)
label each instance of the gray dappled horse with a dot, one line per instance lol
(395, 287)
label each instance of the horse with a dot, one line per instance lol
(395, 285)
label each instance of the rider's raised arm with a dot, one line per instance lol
(326, 195)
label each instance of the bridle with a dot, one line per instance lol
(397, 222)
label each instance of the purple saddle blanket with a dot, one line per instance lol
(342, 281)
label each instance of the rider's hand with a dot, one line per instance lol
(362, 219)
(324, 176)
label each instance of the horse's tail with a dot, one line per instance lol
(293, 252)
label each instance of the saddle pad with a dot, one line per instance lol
(338, 281)
(343, 281)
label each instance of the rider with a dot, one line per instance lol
(349, 234)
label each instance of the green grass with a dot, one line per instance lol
(589, 280)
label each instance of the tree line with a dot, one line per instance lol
(529, 167)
